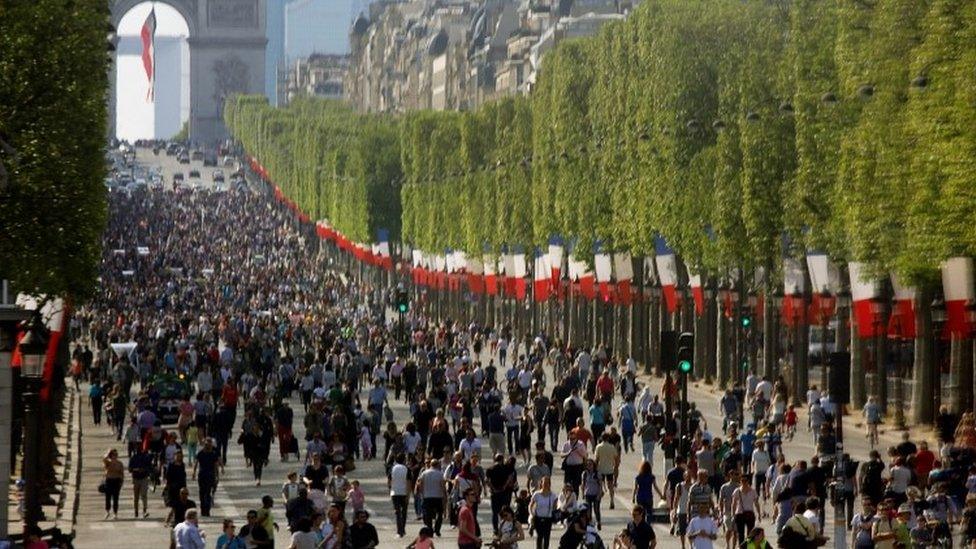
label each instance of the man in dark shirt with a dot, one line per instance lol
(362, 534)
(438, 441)
(140, 466)
(316, 473)
(299, 508)
(641, 533)
(206, 473)
(501, 481)
(179, 506)
(254, 534)
(676, 475)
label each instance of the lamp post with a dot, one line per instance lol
(33, 349)
(880, 380)
(799, 381)
(827, 304)
(939, 318)
(899, 415)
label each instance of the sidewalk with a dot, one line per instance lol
(61, 512)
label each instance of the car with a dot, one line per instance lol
(210, 159)
(229, 161)
(139, 182)
(156, 184)
(172, 149)
(169, 391)
(218, 176)
(194, 174)
(178, 177)
(183, 158)
(196, 156)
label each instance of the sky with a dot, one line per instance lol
(312, 26)
(320, 25)
(135, 116)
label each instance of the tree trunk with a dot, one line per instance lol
(923, 410)
(858, 372)
(769, 340)
(721, 352)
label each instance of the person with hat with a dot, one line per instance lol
(901, 529)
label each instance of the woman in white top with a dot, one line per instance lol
(745, 507)
(760, 462)
(509, 530)
(541, 508)
(567, 501)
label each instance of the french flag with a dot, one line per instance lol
(863, 290)
(902, 322)
(623, 270)
(824, 277)
(476, 280)
(521, 272)
(491, 274)
(667, 272)
(541, 277)
(556, 254)
(957, 283)
(580, 272)
(604, 273)
(794, 286)
(382, 250)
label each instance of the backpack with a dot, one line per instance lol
(871, 481)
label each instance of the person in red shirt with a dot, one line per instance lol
(924, 463)
(605, 385)
(467, 526)
(582, 433)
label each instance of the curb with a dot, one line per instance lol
(70, 498)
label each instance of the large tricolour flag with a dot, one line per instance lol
(148, 34)
(667, 273)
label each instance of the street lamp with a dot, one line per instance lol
(797, 309)
(33, 351)
(827, 304)
(878, 310)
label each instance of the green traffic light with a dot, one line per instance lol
(402, 307)
(746, 322)
(684, 366)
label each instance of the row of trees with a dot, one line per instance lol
(333, 163)
(721, 125)
(52, 134)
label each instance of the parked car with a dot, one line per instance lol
(194, 174)
(183, 158)
(177, 177)
(218, 176)
(210, 159)
(197, 155)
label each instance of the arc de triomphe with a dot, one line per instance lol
(227, 45)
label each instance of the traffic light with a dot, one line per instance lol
(746, 320)
(686, 353)
(402, 301)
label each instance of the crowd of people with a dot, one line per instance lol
(232, 300)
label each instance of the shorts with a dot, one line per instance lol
(729, 523)
(607, 477)
(682, 526)
(760, 479)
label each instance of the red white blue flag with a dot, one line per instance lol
(148, 34)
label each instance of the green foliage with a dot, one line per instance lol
(53, 77)
(719, 124)
(335, 164)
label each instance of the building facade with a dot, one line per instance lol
(457, 54)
